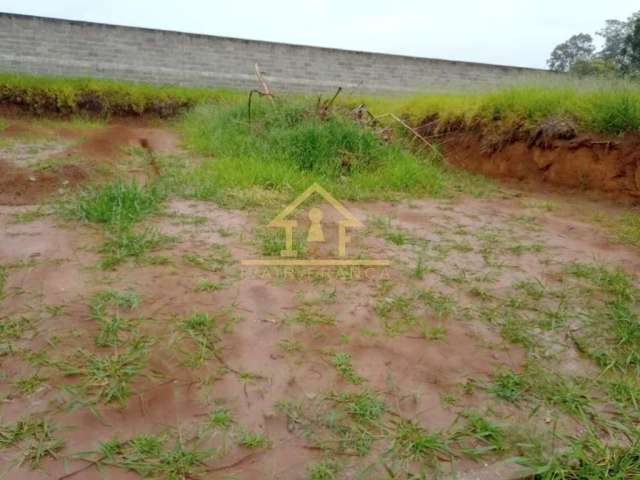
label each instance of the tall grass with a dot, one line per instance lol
(610, 108)
(287, 147)
(66, 96)
(607, 106)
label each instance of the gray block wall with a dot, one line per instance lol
(73, 48)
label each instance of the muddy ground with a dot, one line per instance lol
(413, 331)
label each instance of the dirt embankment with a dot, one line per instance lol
(553, 152)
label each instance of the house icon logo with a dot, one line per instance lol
(316, 234)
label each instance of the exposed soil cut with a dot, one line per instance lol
(552, 153)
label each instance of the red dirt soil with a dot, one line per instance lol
(62, 274)
(576, 161)
(20, 185)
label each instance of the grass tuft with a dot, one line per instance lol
(105, 378)
(254, 440)
(342, 363)
(508, 386)
(123, 244)
(417, 444)
(34, 436)
(119, 204)
(327, 469)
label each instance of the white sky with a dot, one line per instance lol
(510, 32)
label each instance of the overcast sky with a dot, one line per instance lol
(510, 32)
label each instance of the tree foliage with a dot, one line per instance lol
(620, 53)
(631, 49)
(565, 55)
(614, 34)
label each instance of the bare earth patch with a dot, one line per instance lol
(283, 347)
(38, 161)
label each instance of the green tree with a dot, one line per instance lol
(631, 48)
(565, 55)
(614, 34)
(620, 53)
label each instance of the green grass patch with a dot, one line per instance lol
(616, 345)
(119, 204)
(364, 406)
(118, 207)
(28, 385)
(629, 229)
(254, 440)
(12, 330)
(311, 316)
(509, 386)
(199, 336)
(221, 418)
(123, 244)
(115, 330)
(28, 216)
(485, 436)
(287, 147)
(210, 262)
(327, 469)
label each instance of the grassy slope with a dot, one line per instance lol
(610, 108)
(61, 95)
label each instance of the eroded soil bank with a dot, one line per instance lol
(553, 153)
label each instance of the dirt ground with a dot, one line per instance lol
(37, 161)
(278, 333)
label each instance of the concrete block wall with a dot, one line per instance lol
(74, 48)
